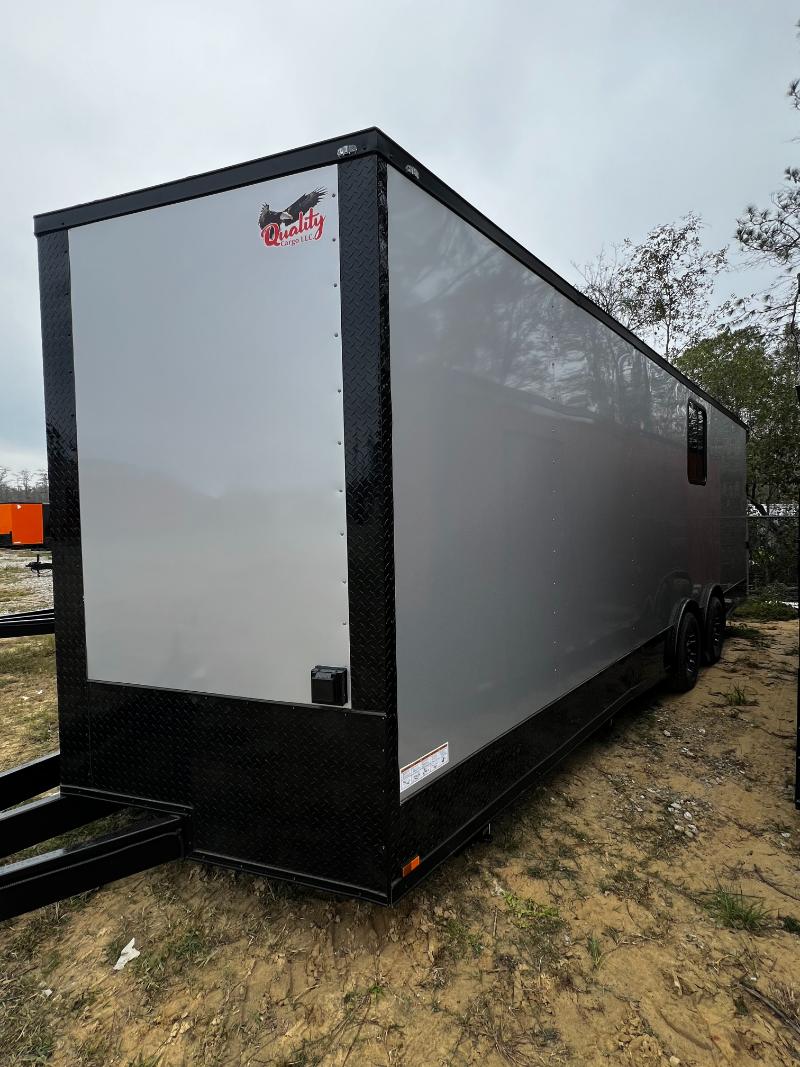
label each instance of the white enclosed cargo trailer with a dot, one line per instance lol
(362, 516)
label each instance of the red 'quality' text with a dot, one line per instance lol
(307, 228)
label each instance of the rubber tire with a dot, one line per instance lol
(715, 631)
(688, 653)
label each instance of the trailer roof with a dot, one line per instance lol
(340, 150)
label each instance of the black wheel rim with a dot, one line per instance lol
(691, 647)
(716, 630)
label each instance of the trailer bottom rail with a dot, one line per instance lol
(32, 883)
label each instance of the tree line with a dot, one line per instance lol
(23, 485)
(744, 350)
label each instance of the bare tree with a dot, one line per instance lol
(24, 483)
(41, 485)
(604, 283)
(772, 235)
(663, 287)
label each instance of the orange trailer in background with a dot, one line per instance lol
(24, 522)
(27, 524)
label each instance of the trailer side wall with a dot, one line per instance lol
(544, 522)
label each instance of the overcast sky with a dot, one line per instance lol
(571, 125)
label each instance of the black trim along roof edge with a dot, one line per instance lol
(320, 154)
(323, 153)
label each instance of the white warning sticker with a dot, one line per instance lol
(425, 765)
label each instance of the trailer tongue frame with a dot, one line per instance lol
(48, 877)
(201, 713)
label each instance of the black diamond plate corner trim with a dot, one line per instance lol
(363, 229)
(65, 527)
(291, 787)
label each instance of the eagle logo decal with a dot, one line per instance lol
(297, 223)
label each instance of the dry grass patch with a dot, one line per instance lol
(27, 699)
(731, 907)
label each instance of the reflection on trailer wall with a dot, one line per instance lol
(544, 522)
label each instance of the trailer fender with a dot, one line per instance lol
(680, 609)
(709, 591)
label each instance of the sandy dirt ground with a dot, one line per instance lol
(601, 925)
(22, 589)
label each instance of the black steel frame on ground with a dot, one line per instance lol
(45, 877)
(27, 623)
(301, 792)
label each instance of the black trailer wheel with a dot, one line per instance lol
(687, 654)
(715, 630)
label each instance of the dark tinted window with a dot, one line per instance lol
(696, 440)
